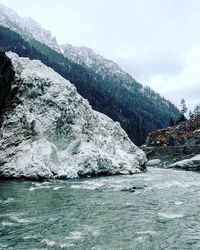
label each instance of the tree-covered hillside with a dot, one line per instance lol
(139, 110)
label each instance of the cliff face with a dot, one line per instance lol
(6, 79)
(53, 131)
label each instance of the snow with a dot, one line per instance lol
(153, 163)
(188, 164)
(88, 58)
(57, 134)
(27, 27)
(30, 29)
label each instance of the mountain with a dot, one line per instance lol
(27, 27)
(107, 87)
(49, 131)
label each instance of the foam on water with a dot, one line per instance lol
(79, 236)
(8, 200)
(13, 218)
(69, 241)
(91, 230)
(21, 220)
(39, 187)
(179, 202)
(76, 235)
(114, 185)
(149, 232)
(6, 223)
(29, 237)
(173, 184)
(66, 245)
(170, 215)
(50, 243)
(3, 246)
(57, 188)
(89, 186)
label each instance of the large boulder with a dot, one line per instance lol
(53, 131)
(154, 163)
(188, 164)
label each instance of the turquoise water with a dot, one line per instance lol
(163, 213)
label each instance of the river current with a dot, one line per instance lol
(162, 213)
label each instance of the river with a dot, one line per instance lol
(162, 213)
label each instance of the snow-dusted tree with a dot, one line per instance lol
(197, 111)
(183, 107)
(191, 115)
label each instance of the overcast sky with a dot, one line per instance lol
(157, 41)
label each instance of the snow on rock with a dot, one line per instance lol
(188, 164)
(153, 163)
(54, 132)
(87, 57)
(27, 27)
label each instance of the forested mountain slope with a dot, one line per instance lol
(107, 87)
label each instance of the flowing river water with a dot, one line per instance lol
(162, 213)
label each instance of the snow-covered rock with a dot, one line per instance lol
(54, 132)
(27, 27)
(188, 164)
(153, 163)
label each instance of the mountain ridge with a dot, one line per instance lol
(108, 88)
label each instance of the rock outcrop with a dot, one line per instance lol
(184, 133)
(53, 131)
(188, 164)
(176, 144)
(6, 78)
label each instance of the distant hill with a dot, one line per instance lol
(108, 88)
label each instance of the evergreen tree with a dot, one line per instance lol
(183, 107)
(191, 115)
(197, 111)
(171, 122)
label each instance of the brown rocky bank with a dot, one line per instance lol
(175, 146)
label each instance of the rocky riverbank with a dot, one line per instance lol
(175, 147)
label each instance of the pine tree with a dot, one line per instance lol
(191, 115)
(183, 107)
(171, 122)
(197, 111)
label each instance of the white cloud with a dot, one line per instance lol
(158, 62)
(186, 84)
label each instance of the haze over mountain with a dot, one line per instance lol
(157, 42)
